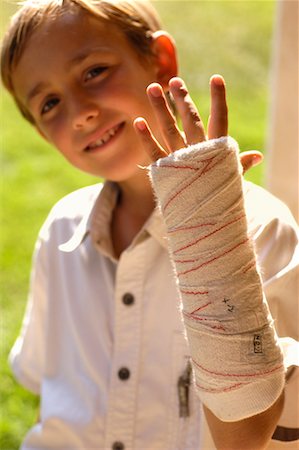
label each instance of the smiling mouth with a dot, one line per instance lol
(104, 139)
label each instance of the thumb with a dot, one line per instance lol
(250, 159)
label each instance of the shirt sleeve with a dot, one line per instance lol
(277, 248)
(28, 353)
(278, 256)
(68, 217)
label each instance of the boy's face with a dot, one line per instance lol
(84, 85)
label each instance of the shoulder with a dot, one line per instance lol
(76, 204)
(70, 211)
(263, 208)
(273, 230)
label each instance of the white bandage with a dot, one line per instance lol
(237, 361)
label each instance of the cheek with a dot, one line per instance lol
(128, 88)
(56, 134)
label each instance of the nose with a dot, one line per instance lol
(84, 113)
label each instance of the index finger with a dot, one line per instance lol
(218, 120)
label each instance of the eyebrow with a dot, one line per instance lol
(36, 91)
(87, 53)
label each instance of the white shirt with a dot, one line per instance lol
(81, 326)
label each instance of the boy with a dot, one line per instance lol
(111, 372)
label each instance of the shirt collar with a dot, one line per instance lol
(156, 227)
(84, 227)
(96, 223)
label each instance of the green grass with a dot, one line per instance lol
(228, 37)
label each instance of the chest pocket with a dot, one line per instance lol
(185, 410)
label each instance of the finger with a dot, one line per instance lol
(218, 120)
(150, 144)
(192, 123)
(250, 159)
(170, 131)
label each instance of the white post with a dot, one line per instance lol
(282, 160)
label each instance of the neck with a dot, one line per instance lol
(136, 196)
(135, 204)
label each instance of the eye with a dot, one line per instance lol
(49, 104)
(95, 72)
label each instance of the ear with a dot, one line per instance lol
(164, 49)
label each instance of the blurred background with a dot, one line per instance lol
(233, 38)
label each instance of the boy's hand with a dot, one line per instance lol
(194, 130)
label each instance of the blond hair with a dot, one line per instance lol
(136, 18)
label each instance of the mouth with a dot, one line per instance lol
(104, 139)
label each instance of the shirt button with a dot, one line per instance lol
(118, 446)
(124, 373)
(128, 299)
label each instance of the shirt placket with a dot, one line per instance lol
(129, 282)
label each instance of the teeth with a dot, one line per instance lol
(108, 135)
(112, 132)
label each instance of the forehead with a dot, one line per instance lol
(66, 41)
(73, 29)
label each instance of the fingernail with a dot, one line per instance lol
(217, 79)
(257, 159)
(177, 82)
(178, 85)
(155, 90)
(140, 124)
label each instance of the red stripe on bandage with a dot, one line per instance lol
(239, 375)
(205, 169)
(201, 307)
(173, 166)
(249, 267)
(203, 319)
(166, 166)
(192, 227)
(210, 234)
(182, 190)
(218, 391)
(207, 262)
(194, 292)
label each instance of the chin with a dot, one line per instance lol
(128, 170)
(124, 167)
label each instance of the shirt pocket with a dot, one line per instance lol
(184, 406)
